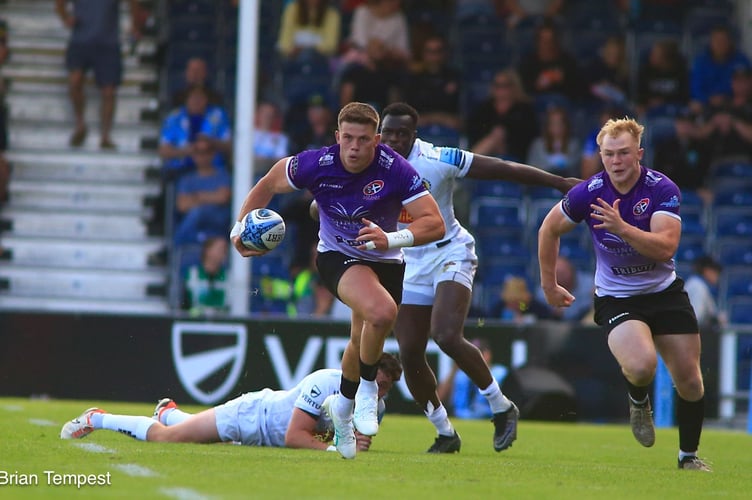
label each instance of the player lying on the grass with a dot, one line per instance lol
(294, 418)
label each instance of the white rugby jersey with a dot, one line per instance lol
(438, 168)
(308, 395)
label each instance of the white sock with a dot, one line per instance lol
(439, 419)
(343, 406)
(683, 454)
(136, 427)
(174, 416)
(367, 389)
(498, 401)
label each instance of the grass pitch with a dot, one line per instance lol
(547, 461)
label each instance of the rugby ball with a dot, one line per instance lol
(263, 229)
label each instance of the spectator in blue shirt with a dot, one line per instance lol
(202, 198)
(467, 400)
(712, 70)
(184, 124)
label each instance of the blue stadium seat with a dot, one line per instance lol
(440, 135)
(733, 251)
(493, 272)
(740, 311)
(735, 282)
(497, 189)
(495, 247)
(489, 212)
(192, 29)
(732, 171)
(692, 222)
(732, 196)
(301, 81)
(195, 8)
(733, 222)
(690, 198)
(690, 248)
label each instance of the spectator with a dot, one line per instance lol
(95, 44)
(4, 165)
(723, 131)
(310, 29)
(684, 157)
(269, 141)
(467, 401)
(556, 150)
(505, 123)
(379, 22)
(206, 282)
(433, 88)
(372, 81)
(702, 288)
(579, 283)
(518, 305)
(609, 73)
(712, 70)
(183, 125)
(318, 129)
(549, 69)
(517, 11)
(196, 74)
(202, 198)
(663, 79)
(727, 127)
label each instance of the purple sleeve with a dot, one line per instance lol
(576, 203)
(668, 198)
(411, 184)
(301, 168)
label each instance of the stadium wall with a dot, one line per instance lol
(132, 358)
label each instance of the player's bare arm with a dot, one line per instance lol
(660, 243)
(554, 225)
(274, 182)
(301, 432)
(489, 168)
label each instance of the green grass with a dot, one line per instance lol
(547, 461)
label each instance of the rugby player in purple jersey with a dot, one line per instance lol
(633, 215)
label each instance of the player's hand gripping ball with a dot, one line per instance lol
(263, 229)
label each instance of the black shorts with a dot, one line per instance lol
(105, 60)
(332, 265)
(666, 312)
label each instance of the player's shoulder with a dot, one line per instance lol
(322, 157)
(592, 186)
(424, 151)
(657, 180)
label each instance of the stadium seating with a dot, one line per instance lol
(740, 311)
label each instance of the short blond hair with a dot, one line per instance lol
(358, 112)
(615, 127)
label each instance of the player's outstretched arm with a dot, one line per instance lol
(301, 432)
(554, 225)
(427, 223)
(490, 168)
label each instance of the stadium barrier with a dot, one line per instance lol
(207, 361)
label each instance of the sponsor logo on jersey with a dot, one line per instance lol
(629, 270)
(315, 391)
(651, 179)
(330, 186)
(385, 160)
(595, 183)
(671, 203)
(641, 206)
(326, 160)
(565, 204)
(417, 181)
(198, 368)
(350, 243)
(373, 188)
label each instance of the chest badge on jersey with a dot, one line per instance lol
(373, 188)
(641, 206)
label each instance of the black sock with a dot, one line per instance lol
(689, 417)
(368, 372)
(638, 394)
(348, 388)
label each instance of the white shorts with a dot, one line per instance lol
(240, 420)
(429, 265)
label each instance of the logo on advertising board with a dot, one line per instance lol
(202, 353)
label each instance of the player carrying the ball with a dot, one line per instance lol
(360, 187)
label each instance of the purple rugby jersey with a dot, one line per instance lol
(344, 198)
(620, 270)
